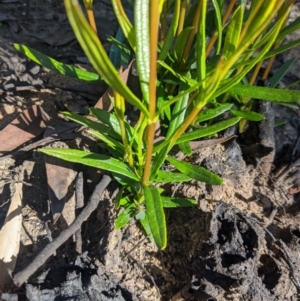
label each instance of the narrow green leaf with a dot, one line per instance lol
(279, 123)
(156, 216)
(110, 142)
(111, 120)
(208, 131)
(163, 176)
(143, 218)
(120, 200)
(181, 42)
(97, 126)
(185, 148)
(212, 64)
(177, 97)
(125, 217)
(124, 22)
(293, 26)
(178, 112)
(265, 93)
(218, 13)
(289, 105)
(56, 66)
(161, 96)
(212, 113)
(182, 78)
(107, 118)
(119, 53)
(196, 172)
(169, 202)
(221, 3)
(93, 160)
(141, 26)
(201, 44)
(233, 32)
(97, 55)
(112, 152)
(227, 84)
(259, 19)
(158, 161)
(280, 73)
(270, 53)
(252, 116)
(171, 32)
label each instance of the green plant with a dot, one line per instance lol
(191, 71)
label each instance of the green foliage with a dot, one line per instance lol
(192, 75)
(155, 212)
(196, 172)
(54, 65)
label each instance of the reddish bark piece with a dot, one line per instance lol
(27, 126)
(127, 77)
(295, 189)
(58, 178)
(59, 173)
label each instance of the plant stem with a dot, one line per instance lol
(120, 113)
(150, 131)
(191, 35)
(90, 14)
(187, 122)
(215, 34)
(183, 12)
(92, 21)
(140, 149)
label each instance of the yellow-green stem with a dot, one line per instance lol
(243, 45)
(192, 34)
(203, 97)
(287, 7)
(183, 12)
(91, 18)
(215, 34)
(120, 109)
(150, 131)
(250, 19)
(140, 149)
(187, 122)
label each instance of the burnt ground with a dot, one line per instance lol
(241, 242)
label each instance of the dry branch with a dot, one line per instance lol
(42, 257)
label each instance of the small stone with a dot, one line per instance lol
(35, 69)
(14, 60)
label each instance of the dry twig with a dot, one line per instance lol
(79, 205)
(42, 257)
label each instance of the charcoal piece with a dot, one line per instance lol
(81, 281)
(226, 262)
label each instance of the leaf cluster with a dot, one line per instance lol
(197, 64)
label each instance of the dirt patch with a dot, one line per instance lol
(240, 243)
